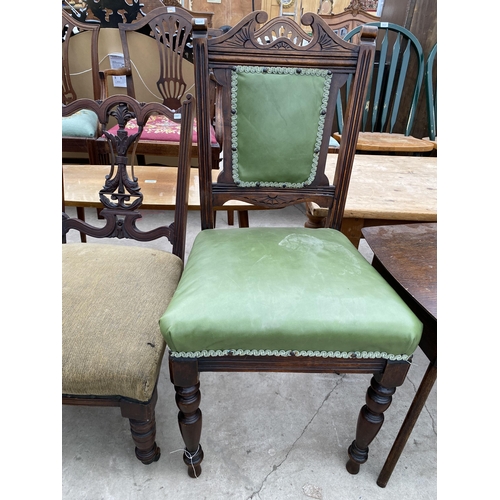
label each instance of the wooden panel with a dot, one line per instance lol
(226, 13)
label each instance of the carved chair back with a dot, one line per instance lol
(171, 28)
(121, 195)
(277, 103)
(282, 27)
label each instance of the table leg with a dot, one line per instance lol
(408, 424)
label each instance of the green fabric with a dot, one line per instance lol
(81, 124)
(285, 289)
(273, 142)
(112, 297)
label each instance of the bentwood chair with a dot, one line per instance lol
(113, 294)
(398, 73)
(79, 131)
(289, 299)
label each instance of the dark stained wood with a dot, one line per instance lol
(121, 198)
(406, 256)
(409, 253)
(217, 57)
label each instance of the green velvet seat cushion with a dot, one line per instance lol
(112, 297)
(83, 123)
(294, 290)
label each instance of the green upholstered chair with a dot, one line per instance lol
(80, 130)
(393, 93)
(113, 294)
(288, 299)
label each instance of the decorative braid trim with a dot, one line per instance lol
(312, 354)
(322, 73)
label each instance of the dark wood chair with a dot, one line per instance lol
(386, 109)
(282, 299)
(113, 294)
(80, 131)
(170, 30)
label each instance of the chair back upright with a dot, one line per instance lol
(398, 71)
(70, 28)
(277, 99)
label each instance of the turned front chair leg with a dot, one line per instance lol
(143, 427)
(144, 434)
(185, 377)
(190, 420)
(370, 420)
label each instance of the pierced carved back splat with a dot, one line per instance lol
(171, 28)
(121, 194)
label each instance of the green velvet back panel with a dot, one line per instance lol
(277, 125)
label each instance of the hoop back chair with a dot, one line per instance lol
(170, 27)
(282, 299)
(80, 131)
(431, 95)
(113, 294)
(390, 81)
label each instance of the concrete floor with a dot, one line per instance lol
(265, 436)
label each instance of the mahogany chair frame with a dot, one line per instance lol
(327, 51)
(121, 198)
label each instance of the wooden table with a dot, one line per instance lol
(384, 190)
(158, 184)
(406, 256)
